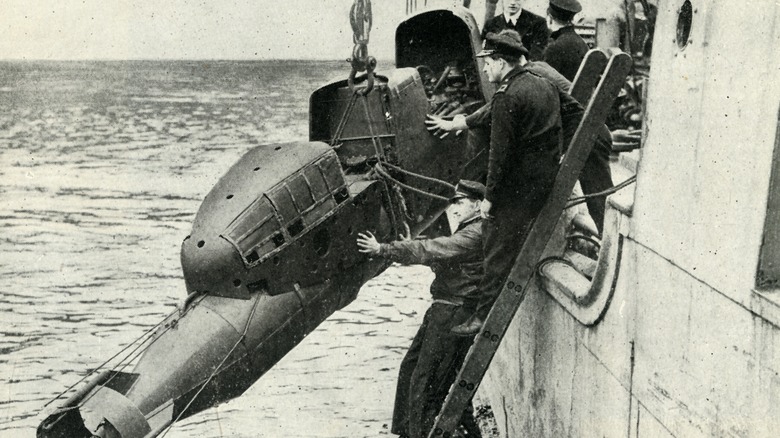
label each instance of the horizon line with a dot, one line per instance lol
(344, 60)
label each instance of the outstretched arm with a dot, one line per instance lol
(367, 244)
(427, 251)
(437, 124)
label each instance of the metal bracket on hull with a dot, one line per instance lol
(489, 338)
(586, 300)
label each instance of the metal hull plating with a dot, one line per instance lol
(218, 346)
(689, 343)
(271, 253)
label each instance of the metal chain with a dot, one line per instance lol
(360, 18)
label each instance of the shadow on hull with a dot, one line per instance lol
(272, 250)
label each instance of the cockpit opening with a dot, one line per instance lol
(445, 60)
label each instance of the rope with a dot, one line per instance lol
(422, 177)
(383, 173)
(125, 363)
(585, 238)
(581, 199)
(216, 370)
(187, 305)
(343, 122)
(400, 200)
(407, 232)
(399, 203)
(111, 358)
(374, 138)
(390, 207)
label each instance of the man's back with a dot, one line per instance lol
(525, 138)
(565, 52)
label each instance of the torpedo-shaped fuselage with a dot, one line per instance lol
(272, 249)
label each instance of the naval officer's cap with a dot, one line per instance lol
(468, 189)
(564, 10)
(507, 42)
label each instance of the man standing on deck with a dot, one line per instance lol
(435, 356)
(531, 27)
(566, 49)
(596, 176)
(525, 146)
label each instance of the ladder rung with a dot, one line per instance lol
(489, 338)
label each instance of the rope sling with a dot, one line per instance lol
(361, 20)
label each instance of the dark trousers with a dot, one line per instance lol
(503, 236)
(596, 176)
(427, 371)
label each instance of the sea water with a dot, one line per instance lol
(102, 168)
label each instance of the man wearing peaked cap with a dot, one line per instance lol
(505, 43)
(565, 9)
(596, 175)
(468, 189)
(566, 49)
(525, 144)
(531, 27)
(431, 364)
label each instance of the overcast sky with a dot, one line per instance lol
(188, 29)
(204, 29)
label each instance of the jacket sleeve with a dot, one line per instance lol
(502, 136)
(480, 118)
(427, 251)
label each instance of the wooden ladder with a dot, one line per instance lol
(487, 341)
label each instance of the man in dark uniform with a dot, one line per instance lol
(596, 176)
(525, 146)
(531, 27)
(435, 356)
(566, 49)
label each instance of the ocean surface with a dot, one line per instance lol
(102, 168)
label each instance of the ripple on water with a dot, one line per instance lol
(101, 179)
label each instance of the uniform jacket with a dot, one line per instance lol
(565, 52)
(571, 110)
(531, 27)
(525, 139)
(456, 260)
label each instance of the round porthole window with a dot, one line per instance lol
(684, 18)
